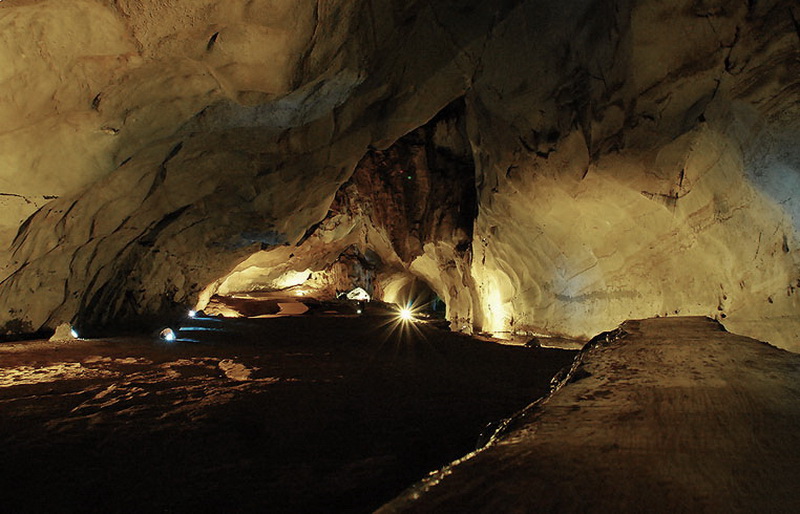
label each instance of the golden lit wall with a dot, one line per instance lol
(633, 158)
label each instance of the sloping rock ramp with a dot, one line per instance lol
(661, 415)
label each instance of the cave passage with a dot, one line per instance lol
(536, 171)
(405, 214)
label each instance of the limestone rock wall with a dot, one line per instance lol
(632, 157)
(637, 183)
(216, 131)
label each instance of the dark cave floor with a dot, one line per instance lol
(294, 414)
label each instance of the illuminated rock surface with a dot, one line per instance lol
(631, 158)
(676, 416)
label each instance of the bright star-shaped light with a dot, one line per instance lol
(406, 314)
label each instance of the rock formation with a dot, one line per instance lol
(630, 158)
(660, 415)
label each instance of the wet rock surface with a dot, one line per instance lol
(304, 414)
(665, 415)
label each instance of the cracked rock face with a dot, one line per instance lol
(630, 158)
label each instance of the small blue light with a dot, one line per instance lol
(167, 335)
(192, 314)
(73, 333)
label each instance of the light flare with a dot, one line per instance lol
(406, 314)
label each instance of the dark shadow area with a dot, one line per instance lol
(288, 414)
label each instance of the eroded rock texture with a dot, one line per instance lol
(631, 158)
(641, 166)
(404, 219)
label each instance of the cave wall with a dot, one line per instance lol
(632, 158)
(637, 187)
(213, 158)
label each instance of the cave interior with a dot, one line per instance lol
(607, 186)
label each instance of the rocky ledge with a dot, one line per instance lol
(664, 415)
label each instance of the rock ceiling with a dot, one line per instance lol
(629, 158)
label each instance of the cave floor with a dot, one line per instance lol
(676, 416)
(294, 414)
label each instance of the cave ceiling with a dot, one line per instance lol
(545, 167)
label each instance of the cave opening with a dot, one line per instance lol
(405, 214)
